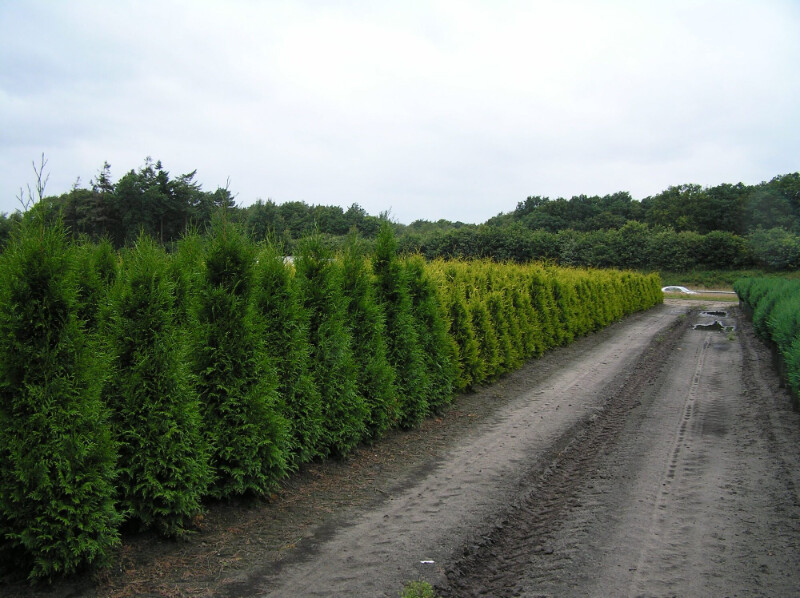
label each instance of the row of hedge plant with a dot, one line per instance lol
(775, 305)
(135, 385)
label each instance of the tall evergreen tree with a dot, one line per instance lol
(163, 464)
(376, 377)
(438, 349)
(57, 458)
(285, 334)
(242, 416)
(333, 365)
(404, 349)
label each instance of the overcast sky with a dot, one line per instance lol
(430, 109)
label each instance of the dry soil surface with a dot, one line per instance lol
(652, 458)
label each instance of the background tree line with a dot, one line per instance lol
(683, 227)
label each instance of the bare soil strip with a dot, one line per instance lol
(648, 459)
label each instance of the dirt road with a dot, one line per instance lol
(655, 460)
(648, 459)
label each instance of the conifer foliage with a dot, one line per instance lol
(404, 350)
(285, 336)
(154, 381)
(367, 322)
(242, 417)
(333, 365)
(163, 463)
(57, 458)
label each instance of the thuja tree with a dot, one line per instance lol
(487, 341)
(332, 362)
(242, 416)
(438, 348)
(57, 457)
(95, 269)
(285, 335)
(375, 376)
(404, 349)
(163, 458)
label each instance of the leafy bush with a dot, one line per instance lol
(57, 458)
(775, 304)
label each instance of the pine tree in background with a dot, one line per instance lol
(57, 458)
(333, 365)
(163, 462)
(438, 348)
(376, 377)
(242, 415)
(404, 349)
(285, 334)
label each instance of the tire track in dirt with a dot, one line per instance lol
(499, 563)
(414, 532)
(686, 486)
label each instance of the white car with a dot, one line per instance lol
(683, 290)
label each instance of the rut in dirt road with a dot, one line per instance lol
(648, 459)
(686, 485)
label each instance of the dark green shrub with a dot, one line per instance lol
(376, 377)
(507, 330)
(404, 349)
(95, 270)
(333, 366)
(285, 334)
(469, 362)
(57, 458)
(163, 458)
(487, 341)
(438, 349)
(242, 415)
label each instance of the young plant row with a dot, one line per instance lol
(775, 304)
(136, 385)
(501, 315)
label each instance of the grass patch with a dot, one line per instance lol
(418, 589)
(719, 297)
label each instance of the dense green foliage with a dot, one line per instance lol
(375, 380)
(285, 335)
(682, 228)
(237, 384)
(333, 364)
(136, 383)
(404, 349)
(163, 458)
(57, 458)
(775, 304)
